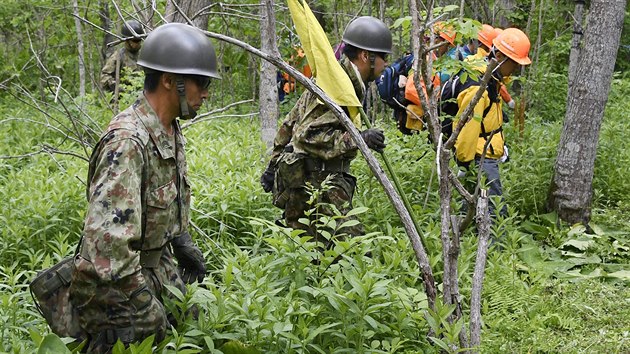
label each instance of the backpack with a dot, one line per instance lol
(448, 107)
(388, 83)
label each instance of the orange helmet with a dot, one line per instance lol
(486, 34)
(446, 32)
(514, 44)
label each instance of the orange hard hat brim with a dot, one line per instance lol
(523, 61)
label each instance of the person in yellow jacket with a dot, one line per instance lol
(510, 49)
(485, 36)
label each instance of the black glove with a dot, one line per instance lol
(267, 178)
(374, 138)
(190, 260)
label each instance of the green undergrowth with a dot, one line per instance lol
(548, 288)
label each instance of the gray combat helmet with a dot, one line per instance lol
(369, 33)
(130, 25)
(179, 49)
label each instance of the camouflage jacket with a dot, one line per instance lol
(135, 159)
(126, 60)
(314, 130)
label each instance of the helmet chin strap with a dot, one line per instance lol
(372, 57)
(495, 71)
(185, 111)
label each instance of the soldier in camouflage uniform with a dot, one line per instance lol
(125, 57)
(312, 145)
(139, 198)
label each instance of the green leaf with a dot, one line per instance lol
(146, 346)
(371, 321)
(440, 343)
(52, 344)
(622, 274)
(580, 244)
(357, 211)
(401, 21)
(349, 223)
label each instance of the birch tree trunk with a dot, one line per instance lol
(77, 24)
(268, 90)
(571, 189)
(193, 9)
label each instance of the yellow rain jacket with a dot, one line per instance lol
(487, 117)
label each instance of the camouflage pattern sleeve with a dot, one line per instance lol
(321, 135)
(108, 73)
(285, 133)
(114, 212)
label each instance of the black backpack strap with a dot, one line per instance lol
(485, 134)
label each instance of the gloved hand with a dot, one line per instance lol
(511, 104)
(190, 260)
(267, 179)
(374, 138)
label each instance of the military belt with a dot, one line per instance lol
(334, 166)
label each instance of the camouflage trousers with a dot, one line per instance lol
(339, 195)
(123, 310)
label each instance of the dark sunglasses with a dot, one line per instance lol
(136, 40)
(203, 82)
(382, 55)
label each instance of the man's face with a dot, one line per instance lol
(380, 62)
(196, 90)
(508, 67)
(443, 48)
(133, 45)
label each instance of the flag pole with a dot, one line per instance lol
(397, 184)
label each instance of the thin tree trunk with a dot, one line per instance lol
(571, 189)
(268, 90)
(107, 25)
(483, 230)
(77, 24)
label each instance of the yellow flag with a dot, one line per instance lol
(331, 77)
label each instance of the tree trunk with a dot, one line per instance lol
(268, 90)
(483, 234)
(571, 189)
(505, 8)
(77, 24)
(577, 40)
(106, 23)
(192, 9)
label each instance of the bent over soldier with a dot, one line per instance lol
(139, 198)
(312, 145)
